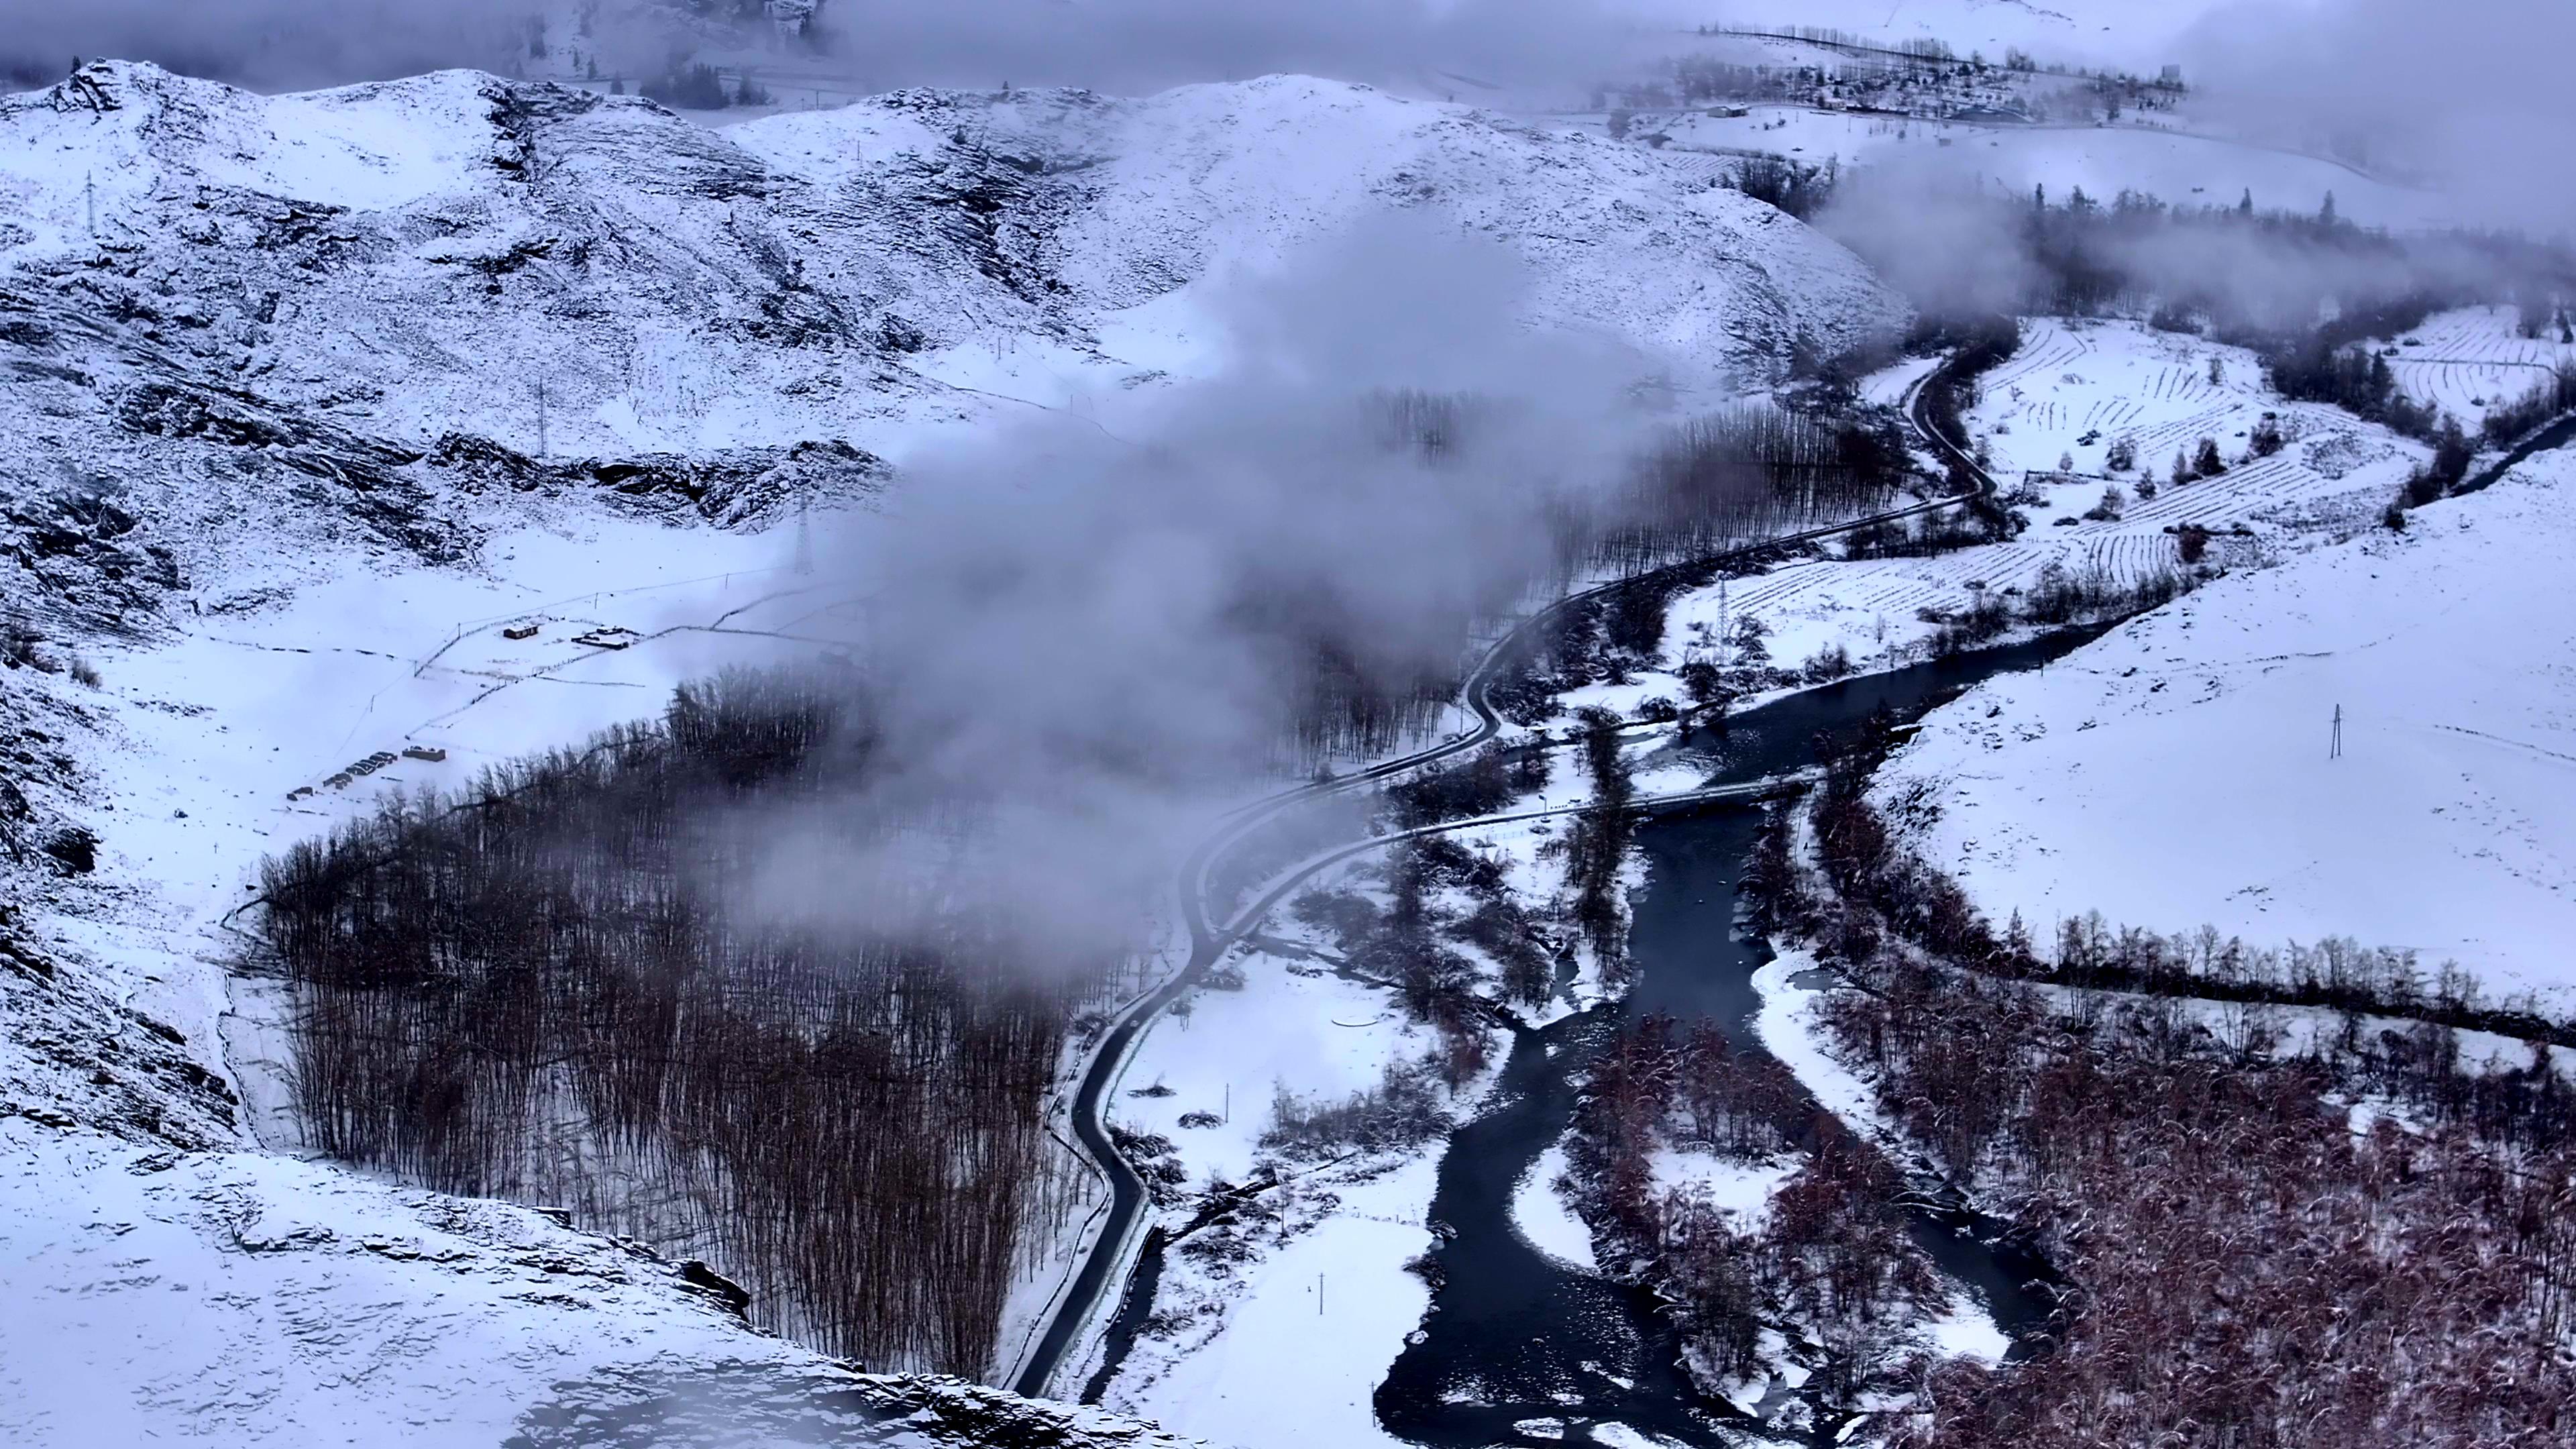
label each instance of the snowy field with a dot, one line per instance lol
(1251, 1357)
(227, 737)
(2178, 772)
(1311, 1329)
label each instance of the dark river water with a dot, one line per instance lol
(2557, 435)
(1513, 1335)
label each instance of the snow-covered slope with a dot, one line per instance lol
(235, 1298)
(2178, 771)
(303, 397)
(423, 256)
(404, 316)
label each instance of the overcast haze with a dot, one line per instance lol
(2472, 94)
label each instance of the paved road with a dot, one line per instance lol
(1208, 940)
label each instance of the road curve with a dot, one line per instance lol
(1208, 941)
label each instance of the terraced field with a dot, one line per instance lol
(2103, 381)
(2465, 361)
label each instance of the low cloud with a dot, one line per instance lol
(1080, 645)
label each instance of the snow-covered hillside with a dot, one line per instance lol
(455, 253)
(304, 398)
(2179, 770)
(235, 1298)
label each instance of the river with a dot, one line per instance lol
(1514, 1336)
(2556, 435)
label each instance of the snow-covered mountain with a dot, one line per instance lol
(415, 257)
(287, 383)
(405, 299)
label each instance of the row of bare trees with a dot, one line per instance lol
(1745, 473)
(1715, 483)
(1864, 865)
(558, 985)
(1596, 848)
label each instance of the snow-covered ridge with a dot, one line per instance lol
(417, 257)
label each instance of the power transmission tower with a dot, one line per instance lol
(89, 200)
(541, 417)
(2334, 751)
(804, 536)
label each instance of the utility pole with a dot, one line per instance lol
(1721, 621)
(2334, 751)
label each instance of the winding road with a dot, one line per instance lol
(1077, 1304)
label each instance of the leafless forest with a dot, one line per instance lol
(2283, 1224)
(1745, 473)
(1714, 483)
(1830, 1256)
(544, 989)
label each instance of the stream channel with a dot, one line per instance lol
(1514, 1336)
